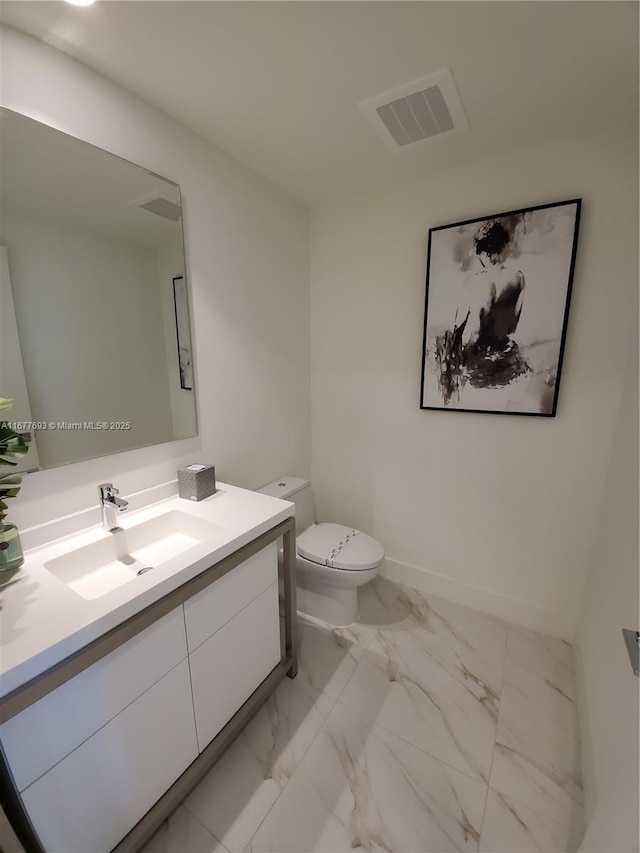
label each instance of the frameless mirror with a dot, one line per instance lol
(95, 342)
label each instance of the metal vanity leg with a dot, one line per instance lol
(290, 615)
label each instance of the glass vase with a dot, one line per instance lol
(11, 556)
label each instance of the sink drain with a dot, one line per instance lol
(146, 569)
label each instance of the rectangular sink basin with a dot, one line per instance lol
(124, 555)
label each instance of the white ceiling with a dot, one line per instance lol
(277, 84)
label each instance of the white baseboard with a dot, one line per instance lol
(511, 609)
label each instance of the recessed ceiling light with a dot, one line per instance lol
(81, 2)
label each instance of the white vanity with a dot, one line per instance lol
(130, 662)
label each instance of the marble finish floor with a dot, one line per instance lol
(424, 727)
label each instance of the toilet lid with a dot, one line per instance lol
(339, 547)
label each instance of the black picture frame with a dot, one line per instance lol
(497, 297)
(183, 332)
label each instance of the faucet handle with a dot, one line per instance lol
(106, 491)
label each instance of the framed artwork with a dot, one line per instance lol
(496, 308)
(183, 332)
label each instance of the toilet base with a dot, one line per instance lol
(329, 603)
(330, 595)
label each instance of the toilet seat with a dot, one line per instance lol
(339, 547)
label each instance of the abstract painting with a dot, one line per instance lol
(496, 309)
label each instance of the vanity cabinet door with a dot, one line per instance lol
(45, 732)
(210, 609)
(90, 800)
(230, 665)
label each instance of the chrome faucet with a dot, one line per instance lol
(110, 506)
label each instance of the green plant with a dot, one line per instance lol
(12, 444)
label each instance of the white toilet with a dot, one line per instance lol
(332, 560)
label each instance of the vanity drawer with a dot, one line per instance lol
(45, 732)
(210, 609)
(90, 800)
(230, 665)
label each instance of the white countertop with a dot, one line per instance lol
(43, 621)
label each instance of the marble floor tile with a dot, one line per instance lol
(510, 827)
(525, 779)
(376, 600)
(182, 833)
(235, 796)
(378, 608)
(546, 657)
(327, 656)
(468, 627)
(436, 694)
(387, 739)
(361, 788)
(537, 744)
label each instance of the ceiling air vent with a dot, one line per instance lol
(417, 112)
(156, 203)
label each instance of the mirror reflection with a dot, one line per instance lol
(95, 343)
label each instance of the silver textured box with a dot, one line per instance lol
(196, 482)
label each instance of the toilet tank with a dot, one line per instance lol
(297, 491)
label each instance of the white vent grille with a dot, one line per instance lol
(418, 111)
(159, 205)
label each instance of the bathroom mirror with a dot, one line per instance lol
(95, 344)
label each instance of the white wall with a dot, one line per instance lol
(608, 690)
(497, 512)
(247, 263)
